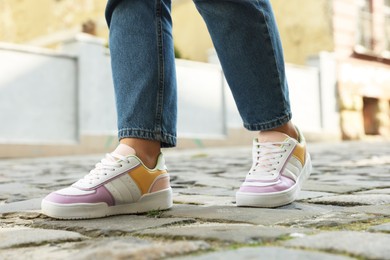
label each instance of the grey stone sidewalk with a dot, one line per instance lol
(342, 213)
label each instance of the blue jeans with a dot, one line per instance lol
(247, 42)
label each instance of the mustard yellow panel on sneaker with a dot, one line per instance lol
(144, 177)
(300, 153)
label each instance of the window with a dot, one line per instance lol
(364, 35)
(387, 27)
(370, 111)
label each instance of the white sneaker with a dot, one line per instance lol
(120, 184)
(280, 166)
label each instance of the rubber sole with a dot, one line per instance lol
(159, 200)
(275, 199)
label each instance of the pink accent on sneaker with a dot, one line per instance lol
(101, 195)
(284, 184)
(161, 183)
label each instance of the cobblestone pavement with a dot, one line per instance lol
(343, 211)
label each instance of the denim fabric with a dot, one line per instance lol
(247, 42)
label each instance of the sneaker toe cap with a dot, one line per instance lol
(283, 184)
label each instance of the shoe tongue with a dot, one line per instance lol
(271, 136)
(124, 150)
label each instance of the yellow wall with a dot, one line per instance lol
(25, 20)
(305, 28)
(189, 31)
(305, 25)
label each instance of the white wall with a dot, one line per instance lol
(312, 96)
(56, 97)
(38, 96)
(46, 96)
(304, 90)
(96, 103)
(201, 112)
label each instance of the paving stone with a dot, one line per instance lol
(17, 191)
(106, 248)
(33, 204)
(312, 185)
(249, 253)
(20, 219)
(204, 200)
(239, 233)
(354, 199)
(215, 191)
(115, 225)
(371, 209)
(308, 207)
(370, 159)
(363, 244)
(332, 219)
(209, 177)
(22, 236)
(375, 191)
(122, 249)
(212, 182)
(259, 216)
(381, 228)
(304, 195)
(366, 182)
(46, 251)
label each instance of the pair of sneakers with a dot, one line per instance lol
(122, 184)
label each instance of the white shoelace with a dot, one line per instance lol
(267, 157)
(108, 164)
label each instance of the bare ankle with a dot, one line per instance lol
(146, 150)
(288, 129)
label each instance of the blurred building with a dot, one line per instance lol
(362, 48)
(356, 32)
(337, 54)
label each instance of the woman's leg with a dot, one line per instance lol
(143, 68)
(247, 42)
(145, 86)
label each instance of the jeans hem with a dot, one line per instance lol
(270, 124)
(167, 140)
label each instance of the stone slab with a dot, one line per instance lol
(304, 195)
(33, 204)
(259, 216)
(17, 191)
(354, 199)
(46, 251)
(239, 233)
(381, 228)
(250, 253)
(115, 225)
(371, 209)
(121, 249)
(203, 200)
(370, 245)
(332, 219)
(22, 236)
(375, 191)
(215, 191)
(315, 185)
(106, 248)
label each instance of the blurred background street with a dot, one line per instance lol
(57, 98)
(57, 119)
(343, 211)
